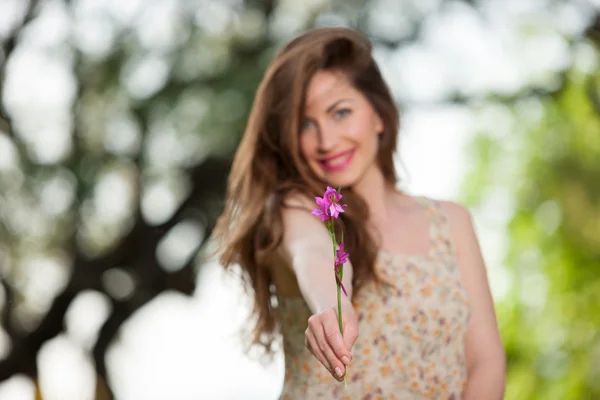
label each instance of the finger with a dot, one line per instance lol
(316, 350)
(311, 345)
(321, 349)
(323, 341)
(335, 339)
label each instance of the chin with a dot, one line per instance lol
(343, 180)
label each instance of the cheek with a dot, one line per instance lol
(307, 145)
(361, 130)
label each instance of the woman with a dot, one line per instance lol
(419, 320)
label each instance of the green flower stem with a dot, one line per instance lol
(339, 289)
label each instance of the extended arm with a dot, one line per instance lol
(308, 249)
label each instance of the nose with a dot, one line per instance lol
(328, 137)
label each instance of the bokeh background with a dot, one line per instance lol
(118, 121)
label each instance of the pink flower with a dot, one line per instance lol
(333, 198)
(329, 206)
(341, 257)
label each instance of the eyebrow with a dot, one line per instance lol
(334, 105)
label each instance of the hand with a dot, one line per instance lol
(325, 342)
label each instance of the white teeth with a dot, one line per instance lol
(337, 161)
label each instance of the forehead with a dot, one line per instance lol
(325, 87)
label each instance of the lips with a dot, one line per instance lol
(338, 161)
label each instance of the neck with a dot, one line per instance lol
(376, 192)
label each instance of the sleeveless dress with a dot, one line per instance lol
(411, 330)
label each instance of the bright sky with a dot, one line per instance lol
(185, 348)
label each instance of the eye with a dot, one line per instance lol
(306, 124)
(341, 113)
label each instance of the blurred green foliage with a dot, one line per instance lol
(550, 165)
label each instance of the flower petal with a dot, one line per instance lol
(338, 207)
(334, 210)
(340, 284)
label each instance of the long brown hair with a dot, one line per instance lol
(268, 165)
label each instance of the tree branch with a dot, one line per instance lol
(7, 311)
(23, 355)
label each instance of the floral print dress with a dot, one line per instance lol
(411, 330)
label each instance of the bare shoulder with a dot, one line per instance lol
(297, 215)
(302, 230)
(458, 215)
(299, 201)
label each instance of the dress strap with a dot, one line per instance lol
(439, 228)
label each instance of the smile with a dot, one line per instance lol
(338, 161)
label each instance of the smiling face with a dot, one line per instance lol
(339, 135)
